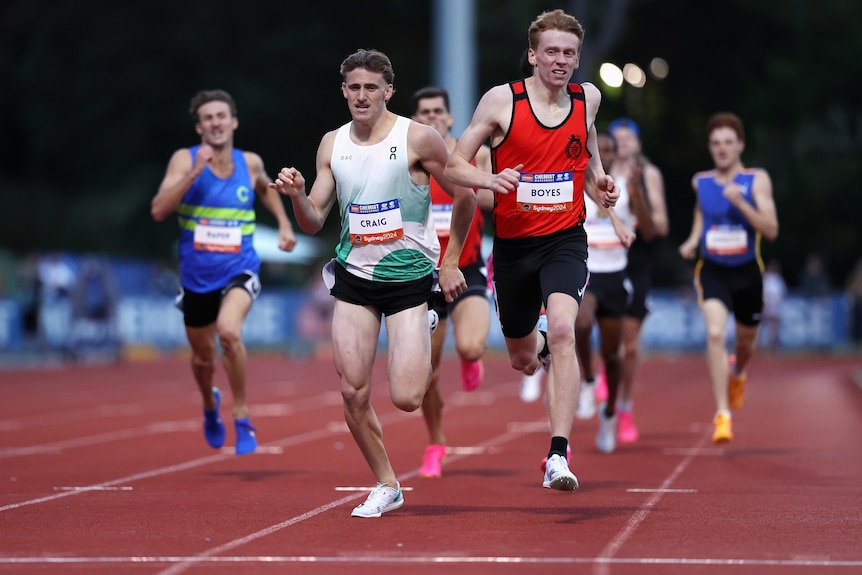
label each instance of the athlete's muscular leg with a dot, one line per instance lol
(631, 356)
(564, 384)
(715, 316)
(234, 309)
(583, 332)
(409, 357)
(203, 361)
(471, 320)
(746, 341)
(355, 331)
(432, 404)
(610, 330)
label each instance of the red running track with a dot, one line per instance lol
(104, 470)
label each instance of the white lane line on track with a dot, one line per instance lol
(715, 451)
(86, 413)
(320, 400)
(93, 488)
(661, 490)
(180, 567)
(432, 559)
(128, 479)
(611, 549)
(137, 407)
(403, 488)
(110, 436)
(221, 456)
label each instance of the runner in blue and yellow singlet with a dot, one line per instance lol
(734, 210)
(212, 188)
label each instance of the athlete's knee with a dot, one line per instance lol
(561, 335)
(716, 335)
(631, 348)
(612, 361)
(523, 360)
(408, 399)
(203, 361)
(229, 337)
(471, 350)
(354, 395)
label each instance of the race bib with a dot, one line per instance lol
(601, 234)
(442, 214)
(546, 192)
(375, 223)
(726, 240)
(218, 236)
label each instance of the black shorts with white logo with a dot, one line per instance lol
(612, 291)
(476, 276)
(528, 270)
(201, 309)
(640, 282)
(387, 297)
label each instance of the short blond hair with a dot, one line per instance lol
(554, 20)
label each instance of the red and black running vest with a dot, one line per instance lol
(541, 149)
(472, 250)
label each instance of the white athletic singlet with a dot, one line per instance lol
(606, 252)
(387, 227)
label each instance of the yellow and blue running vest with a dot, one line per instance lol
(216, 218)
(727, 237)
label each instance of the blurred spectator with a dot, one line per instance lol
(854, 291)
(94, 330)
(94, 295)
(9, 280)
(56, 278)
(166, 280)
(774, 293)
(814, 281)
(314, 318)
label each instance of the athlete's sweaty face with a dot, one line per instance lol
(725, 147)
(556, 57)
(432, 112)
(366, 93)
(628, 144)
(215, 123)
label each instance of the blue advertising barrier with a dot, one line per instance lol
(674, 323)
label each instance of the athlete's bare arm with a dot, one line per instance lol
(688, 249)
(598, 185)
(271, 200)
(311, 210)
(490, 122)
(654, 183)
(181, 173)
(427, 146)
(762, 215)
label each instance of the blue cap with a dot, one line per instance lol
(625, 123)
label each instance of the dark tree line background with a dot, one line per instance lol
(94, 98)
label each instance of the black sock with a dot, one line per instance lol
(559, 445)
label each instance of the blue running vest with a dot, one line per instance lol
(221, 211)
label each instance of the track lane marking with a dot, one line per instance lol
(180, 567)
(613, 547)
(431, 559)
(318, 400)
